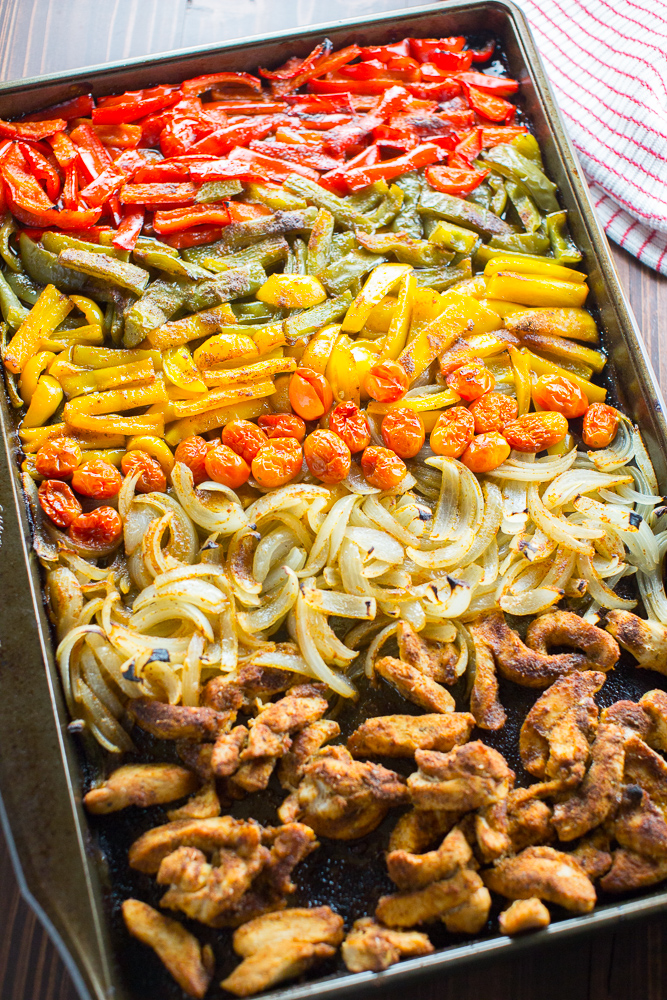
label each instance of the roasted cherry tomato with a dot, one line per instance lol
(470, 381)
(382, 468)
(100, 528)
(245, 438)
(350, 424)
(534, 432)
(277, 462)
(327, 456)
(555, 392)
(58, 459)
(455, 357)
(58, 502)
(192, 451)
(152, 478)
(224, 466)
(403, 432)
(492, 411)
(98, 479)
(486, 452)
(310, 394)
(387, 382)
(453, 432)
(600, 425)
(283, 425)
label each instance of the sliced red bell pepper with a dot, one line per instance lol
(182, 132)
(230, 107)
(467, 149)
(63, 219)
(344, 137)
(501, 86)
(240, 212)
(76, 107)
(485, 53)
(294, 66)
(452, 180)
(334, 85)
(113, 208)
(176, 169)
(335, 179)
(460, 120)
(493, 135)
(438, 90)
(200, 84)
(386, 52)
(375, 70)
(421, 48)
(272, 167)
(43, 170)
(391, 136)
(64, 149)
(199, 236)
(496, 109)
(129, 230)
(103, 186)
(130, 161)
(71, 187)
(227, 170)
(132, 105)
(152, 125)
(317, 122)
(94, 156)
(32, 130)
(359, 177)
(121, 136)
(319, 103)
(306, 155)
(451, 61)
(178, 219)
(152, 195)
(224, 139)
(334, 62)
(23, 188)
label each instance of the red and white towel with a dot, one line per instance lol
(607, 62)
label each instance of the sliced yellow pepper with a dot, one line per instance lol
(114, 456)
(62, 365)
(397, 334)
(486, 345)
(524, 264)
(504, 309)
(48, 312)
(380, 316)
(79, 411)
(567, 349)
(107, 378)
(247, 373)
(291, 291)
(531, 291)
(319, 348)
(379, 284)
(33, 438)
(577, 324)
(180, 369)
(105, 357)
(155, 447)
(420, 404)
(213, 419)
(426, 306)
(91, 335)
(522, 383)
(269, 337)
(224, 347)
(434, 339)
(31, 373)
(226, 396)
(342, 372)
(45, 401)
(90, 309)
(200, 324)
(365, 354)
(594, 393)
(470, 286)
(562, 448)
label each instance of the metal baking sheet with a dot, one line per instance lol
(74, 872)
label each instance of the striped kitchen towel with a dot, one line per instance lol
(607, 63)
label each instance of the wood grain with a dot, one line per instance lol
(42, 36)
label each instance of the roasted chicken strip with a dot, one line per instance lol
(630, 716)
(599, 792)
(250, 681)
(419, 829)
(639, 824)
(484, 703)
(140, 785)
(528, 817)
(202, 805)
(203, 891)
(545, 873)
(208, 835)
(269, 731)
(414, 685)
(402, 735)
(369, 947)
(178, 722)
(524, 915)
(593, 854)
(466, 778)
(435, 659)
(564, 628)
(646, 640)
(630, 870)
(304, 745)
(414, 871)
(654, 703)
(190, 964)
(407, 909)
(470, 916)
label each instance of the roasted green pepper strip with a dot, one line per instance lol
(159, 303)
(340, 275)
(408, 219)
(499, 198)
(7, 230)
(266, 254)
(451, 237)
(217, 191)
(276, 198)
(23, 287)
(314, 319)
(388, 209)
(233, 284)
(368, 198)
(506, 160)
(321, 198)
(525, 207)
(419, 253)
(12, 311)
(481, 196)
(297, 261)
(529, 147)
(532, 243)
(43, 267)
(254, 312)
(105, 268)
(341, 245)
(319, 244)
(56, 242)
(463, 213)
(170, 264)
(563, 247)
(441, 278)
(242, 234)
(146, 244)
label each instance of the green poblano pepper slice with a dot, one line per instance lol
(232, 284)
(367, 198)
(23, 287)
(482, 196)
(278, 199)
(514, 166)
(7, 230)
(242, 234)
(526, 209)
(105, 268)
(12, 311)
(388, 209)
(529, 147)
(419, 253)
(170, 264)
(319, 244)
(339, 275)
(161, 300)
(317, 317)
(499, 197)
(408, 219)
(217, 191)
(563, 247)
(266, 254)
(254, 312)
(441, 278)
(463, 213)
(532, 243)
(56, 242)
(43, 267)
(343, 213)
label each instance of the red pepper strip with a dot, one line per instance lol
(200, 84)
(386, 52)
(272, 167)
(494, 135)
(494, 108)
(129, 161)
(396, 138)
(451, 61)
(485, 53)
(425, 126)
(295, 67)
(334, 62)
(306, 155)
(360, 177)
(129, 230)
(32, 130)
(71, 187)
(501, 86)
(43, 170)
(199, 236)
(460, 120)
(176, 169)
(467, 150)
(334, 85)
(316, 104)
(123, 136)
(103, 186)
(448, 142)
(115, 211)
(157, 194)
(224, 139)
(451, 180)
(442, 90)
(227, 170)
(185, 218)
(64, 149)
(49, 218)
(335, 180)
(247, 107)
(239, 212)
(77, 107)
(22, 186)
(94, 156)
(183, 131)
(317, 122)
(378, 71)
(132, 105)
(422, 48)
(342, 138)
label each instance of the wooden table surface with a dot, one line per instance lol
(43, 36)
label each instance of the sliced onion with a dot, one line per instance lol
(205, 596)
(170, 610)
(644, 462)
(311, 655)
(575, 481)
(336, 519)
(183, 541)
(446, 632)
(532, 603)
(382, 546)
(382, 518)
(327, 643)
(376, 645)
(275, 607)
(283, 499)
(209, 512)
(330, 602)
(126, 494)
(356, 482)
(555, 527)
(273, 547)
(445, 516)
(540, 472)
(619, 452)
(598, 589)
(136, 523)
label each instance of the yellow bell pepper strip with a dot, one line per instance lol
(179, 369)
(226, 396)
(420, 404)
(365, 354)
(342, 373)
(291, 291)
(105, 357)
(380, 316)
(531, 291)
(563, 348)
(379, 284)
(62, 339)
(104, 379)
(453, 237)
(433, 340)
(577, 324)
(470, 286)
(522, 382)
(155, 447)
(104, 267)
(270, 337)
(226, 346)
(114, 456)
(319, 244)
(213, 419)
(99, 411)
(247, 373)
(396, 336)
(562, 448)
(594, 393)
(487, 345)
(504, 309)
(31, 373)
(318, 350)
(525, 264)
(32, 438)
(426, 305)
(91, 310)
(201, 324)
(48, 312)
(45, 401)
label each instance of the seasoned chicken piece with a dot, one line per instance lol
(189, 963)
(464, 779)
(492, 831)
(270, 730)
(280, 946)
(304, 745)
(203, 891)
(407, 909)
(564, 628)
(593, 854)
(528, 817)
(140, 785)
(533, 668)
(543, 872)
(524, 915)
(414, 871)
(196, 757)
(369, 947)
(599, 792)
(227, 751)
(435, 659)
(556, 734)
(204, 804)
(250, 681)
(646, 640)
(639, 825)
(418, 829)
(633, 871)
(343, 798)
(646, 768)
(629, 716)
(654, 703)
(484, 703)
(401, 735)
(288, 845)
(469, 917)
(178, 722)
(252, 777)
(414, 685)
(208, 835)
